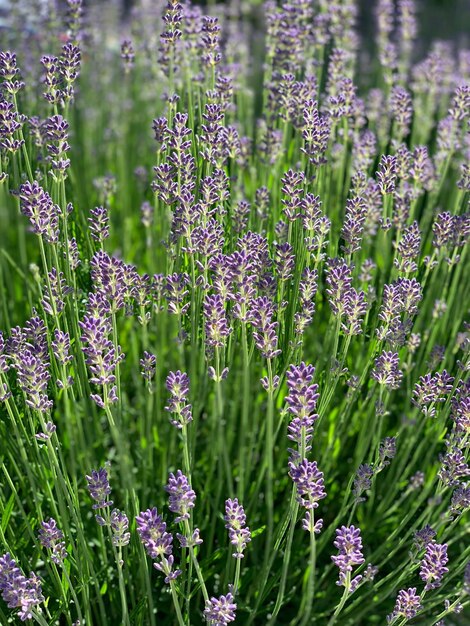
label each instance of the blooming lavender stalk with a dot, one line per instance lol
(220, 611)
(177, 384)
(407, 605)
(386, 371)
(349, 543)
(37, 205)
(182, 497)
(18, 591)
(158, 544)
(99, 488)
(117, 523)
(99, 224)
(148, 364)
(433, 565)
(52, 538)
(239, 533)
(127, 55)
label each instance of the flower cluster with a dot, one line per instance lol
(239, 533)
(349, 543)
(177, 384)
(18, 591)
(157, 542)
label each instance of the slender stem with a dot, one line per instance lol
(174, 595)
(339, 608)
(197, 567)
(269, 461)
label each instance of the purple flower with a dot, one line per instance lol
(387, 174)
(74, 257)
(99, 223)
(423, 537)
(61, 347)
(303, 393)
(127, 55)
(362, 481)
(172, 23)
(460, 103)
(316, 133)
(33, 377)
(102, 356)
(9, 72)
(301, 401)
(220, 611)
(355, 307)
(339, 281)
(146, 214)
(176, 292)
(453, 467)
(112, 278)
(239, 533)
(408, 249)
(43, 214)
(190, 542)
(210, 41)
(433, 565)
(265, 331)
(387, 450)
(177, 384)
(52, 538)
(356, 211)
(460, 501)
(216, 327)
(9, 125)
(182, 497)
(307, 291)
(152, 533)
(386, 371)
(148, 364)
(119, 524)
(349, 544)
(364, 151)
(402, 109)
(309, 483)
(53, 300)
(157, 542)
(18, 591)
(407, 605)
(417, 480)
(98, 486)
(61, 74)
(57, 134)
(284, 261)
(50, 429)
(292, 182)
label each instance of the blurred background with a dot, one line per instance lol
(437, 19)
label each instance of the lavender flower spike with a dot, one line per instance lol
(98, 486)
(182, 497)
(349, 543)
(157, 542)
(17, 590)
(177, 384)
(119, 525)
(239, 533)
(407, 605)
(433, 565)
(220, 611)
(309, 482)
(52, 538)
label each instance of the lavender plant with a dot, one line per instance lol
(233, 278)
